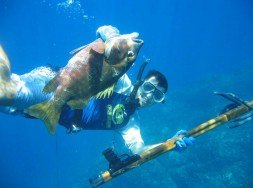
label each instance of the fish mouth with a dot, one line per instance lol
(138, 41)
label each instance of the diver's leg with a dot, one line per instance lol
(18, 92)
(29, 90)
(8, 88)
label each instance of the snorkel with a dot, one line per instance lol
(131, 100)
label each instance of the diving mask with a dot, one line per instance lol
(158, 95)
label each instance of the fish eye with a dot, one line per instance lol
(130, 53)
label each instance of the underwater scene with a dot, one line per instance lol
(204, 49)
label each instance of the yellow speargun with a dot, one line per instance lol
(238, 113)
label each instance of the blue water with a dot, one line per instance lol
(201, 46)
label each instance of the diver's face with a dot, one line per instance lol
(150, 93)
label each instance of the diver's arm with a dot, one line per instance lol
(132, 137)
(106, 32)
(133, 140)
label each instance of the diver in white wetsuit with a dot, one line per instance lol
(118, 112)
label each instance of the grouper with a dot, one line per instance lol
(91, 72)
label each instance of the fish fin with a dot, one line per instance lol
(51, 85)
(77, 104)
(105, 93)
(4, 66)
(47, 112)
(98, 46)
(75, 51)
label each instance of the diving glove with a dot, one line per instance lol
(106, 32)
(184, 142)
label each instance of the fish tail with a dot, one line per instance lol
(47, 112)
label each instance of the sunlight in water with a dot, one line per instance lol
(74, 9)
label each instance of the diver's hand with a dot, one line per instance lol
(184, 142)
(106, 32)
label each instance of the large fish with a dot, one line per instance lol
(91, 72)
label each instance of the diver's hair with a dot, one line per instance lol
(162, 81)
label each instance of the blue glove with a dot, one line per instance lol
(183, 143)
(106, 32)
